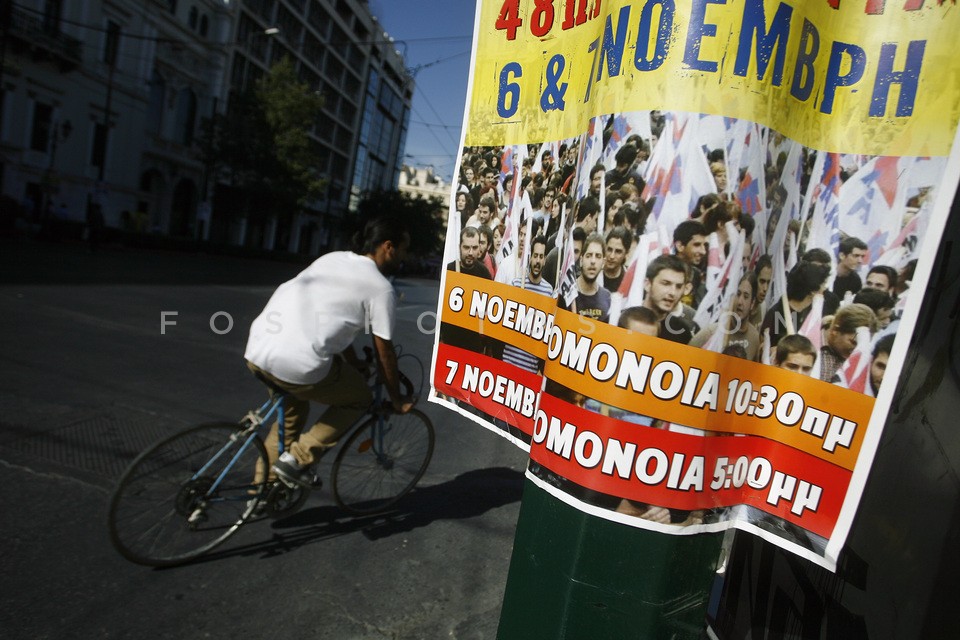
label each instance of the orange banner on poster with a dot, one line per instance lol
(672, 382)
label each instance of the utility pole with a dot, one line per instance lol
(573, 575)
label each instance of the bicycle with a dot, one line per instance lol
(190, 492)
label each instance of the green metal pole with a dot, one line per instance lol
(577, 576)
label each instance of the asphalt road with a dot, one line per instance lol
(89, 377)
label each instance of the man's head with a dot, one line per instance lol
(806, 279)
(705, 205)
(588, 210)
(878, 366)
(591, 258)
(842, 334)
(639, 320)
(616, 247)
(878, 301)
(385, 240)
(690, 242)
(664, 283)
(469, 247)
(486, 240)
(538, 253)
(746, 294)
(485, 210)
(852, 253)
(817, 256)
(796, 353)
(764, 273)
(596, 177)
(719, 171)
(548, 195)
(881, 278)
(579, 235)
(625, 156)
(489, 177)
(546, 162)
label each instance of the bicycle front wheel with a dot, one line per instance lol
(381, 461)
(186, 494)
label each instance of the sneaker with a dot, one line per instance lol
(293, 474)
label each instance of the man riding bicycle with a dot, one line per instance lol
(302, 343)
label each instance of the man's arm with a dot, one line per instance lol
(387, 358)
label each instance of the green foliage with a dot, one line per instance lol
(262, 144)
(423, 217)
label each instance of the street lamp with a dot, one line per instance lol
(255, 44)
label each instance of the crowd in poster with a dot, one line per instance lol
(687, 316)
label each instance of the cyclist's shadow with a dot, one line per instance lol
(468, 495)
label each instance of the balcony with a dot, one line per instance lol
(28, 32)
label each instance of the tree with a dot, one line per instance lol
(423, 217)
(262, 146)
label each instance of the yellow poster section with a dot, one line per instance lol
(547, 102)
(465, 295)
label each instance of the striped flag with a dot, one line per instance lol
(854, 373)
(678, 173)
(752, 189)
(649, 246)
(873, 202)
(624, 126)
(811, 330)
(904, 247)
(824, 229)
(451, 249)
(567, 287)
(510, 231)
(791, 207)
(725, 286)
(506, 167)
(591, 146)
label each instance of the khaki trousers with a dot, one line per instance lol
(347, 395)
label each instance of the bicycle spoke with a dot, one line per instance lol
(164, 511)
(382, 461)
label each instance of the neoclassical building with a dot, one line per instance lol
(102, 102)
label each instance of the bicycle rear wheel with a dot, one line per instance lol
(186, 494)
(381, 461)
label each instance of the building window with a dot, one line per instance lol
(42, 119)
(111, 43)
(172, 6)
(204, 26)
(158, 89)
(186, 116)
(51, 16)
(193, 17)
(98, 152)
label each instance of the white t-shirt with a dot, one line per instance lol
(317, 315)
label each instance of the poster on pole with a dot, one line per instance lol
(687, 247)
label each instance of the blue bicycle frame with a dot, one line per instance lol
(273, 406)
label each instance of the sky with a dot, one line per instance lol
(436, 37)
